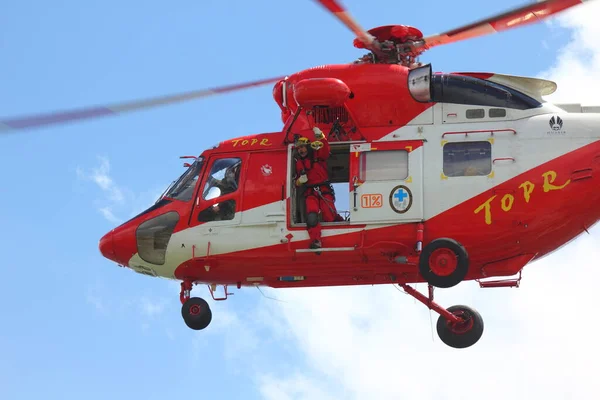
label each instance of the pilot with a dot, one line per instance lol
(311, 173)
(229, 183)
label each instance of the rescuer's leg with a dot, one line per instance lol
(328, 210)
(312, 221)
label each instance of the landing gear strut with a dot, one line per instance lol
(458, 326)
(195, 311)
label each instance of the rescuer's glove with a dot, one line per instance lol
(301, 180)
(316, 145)
(318, 133)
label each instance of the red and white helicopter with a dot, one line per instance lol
(450, 177)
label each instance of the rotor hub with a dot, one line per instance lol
(398, 44)
(396, 34)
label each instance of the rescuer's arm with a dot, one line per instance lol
(300, 177)
(320, 145)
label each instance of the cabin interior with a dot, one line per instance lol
(339, 175)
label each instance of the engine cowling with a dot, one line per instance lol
(312, 92)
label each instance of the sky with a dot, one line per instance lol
(74, 325)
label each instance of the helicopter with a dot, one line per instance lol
(450, 177)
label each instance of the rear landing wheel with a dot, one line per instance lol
(444, 263)
(461, 334)
(196, 313)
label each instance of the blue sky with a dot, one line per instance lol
(74, 324)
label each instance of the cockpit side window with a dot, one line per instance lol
(222, 211)
(224, 178)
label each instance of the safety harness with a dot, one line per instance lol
(321, 188)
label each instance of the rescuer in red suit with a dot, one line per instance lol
(311, 172)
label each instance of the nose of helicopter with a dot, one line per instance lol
(119, 245)
(107, 247)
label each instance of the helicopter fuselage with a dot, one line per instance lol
(510, 184)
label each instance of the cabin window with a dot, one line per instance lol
(467, 159)
(223, 211)
(497, 112)
(152, 237)
(384, 165)
(475, 113)
(224, 178)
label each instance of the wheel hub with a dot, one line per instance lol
(195, 309)
(465, 325)
(443, 262)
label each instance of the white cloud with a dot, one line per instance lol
(577, 69)
(539, 341)
(108, 214)
(117, 200)
(113, 194)
(296, 387)
(97, 302)
(102, 178)
(375, 342)
(239, 336)
(152, 307)
(146, 310)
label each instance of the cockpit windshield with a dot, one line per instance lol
(183, 188)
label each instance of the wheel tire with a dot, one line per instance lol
(461, 335)
(444, 263)
(196, 313)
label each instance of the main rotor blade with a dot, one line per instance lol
(516, 17)
(344, 16)
(61, 117)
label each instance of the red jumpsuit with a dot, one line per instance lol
(318, 192)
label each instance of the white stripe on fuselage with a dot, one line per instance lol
(251, 232)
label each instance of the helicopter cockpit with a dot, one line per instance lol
(183, 188)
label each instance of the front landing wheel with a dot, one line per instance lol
(196, 313)
(462, 334)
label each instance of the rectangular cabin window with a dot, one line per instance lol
(497, 112)
(384, 165)
(475, 113)
(468, 159)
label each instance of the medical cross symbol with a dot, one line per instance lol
(400, 199)
(400, 195)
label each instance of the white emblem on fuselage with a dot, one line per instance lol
(266, 170)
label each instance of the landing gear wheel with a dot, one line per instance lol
(462, 334)
(196, 313)
(444, 263)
